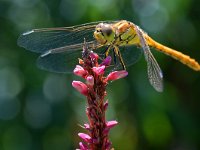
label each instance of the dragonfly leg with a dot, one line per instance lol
(108, 51)
(117, 52)
(114, 57)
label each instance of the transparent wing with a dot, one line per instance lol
(130, 54)
(59, 62)
(42, 40)
(154, 72)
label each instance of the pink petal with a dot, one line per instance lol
(81, 87)
(111, 124)
(83, 146)
(87, 126)
(105, 105)
(80, 71)
(90, 80)
(117, 75)
(106, 61)
(94, 55)
(99, 70)
(85, 137)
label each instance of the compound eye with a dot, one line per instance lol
(107, 30)
(99, 26)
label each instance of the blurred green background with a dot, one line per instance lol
(40, 110)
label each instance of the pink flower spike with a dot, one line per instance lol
(117, 75)
(99, 70)
(80, 71)
(85, 137)
(106, 61)
(90, 80)
(83, 146)
(81, 87)
(111, 124)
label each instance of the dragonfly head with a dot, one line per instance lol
(104, 33)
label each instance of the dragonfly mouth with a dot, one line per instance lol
(98, 30)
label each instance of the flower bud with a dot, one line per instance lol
(99, 70)
(90, 80)
(85, 137)
(80, 71)
(105, 105)
(106, 61)
(94, 56)
(81, 87)
(87, 126)
(80, 61)
(111, 124)
(83, 146)
(116, 75)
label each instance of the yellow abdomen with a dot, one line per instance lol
(185, 59)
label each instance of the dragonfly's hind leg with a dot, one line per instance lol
(114, 57)
(117, 52)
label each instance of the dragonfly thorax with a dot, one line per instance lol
(104, 33)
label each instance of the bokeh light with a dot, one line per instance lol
(11, 83)
(55, 88)
(16, 138)
(37, 113)
(9, 108)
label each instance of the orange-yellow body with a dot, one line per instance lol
(185, 59)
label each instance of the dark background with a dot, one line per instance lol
(41, 111)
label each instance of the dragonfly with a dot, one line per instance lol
(60, 48)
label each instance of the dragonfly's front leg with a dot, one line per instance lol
(108, 51)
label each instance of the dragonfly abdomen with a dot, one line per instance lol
(185, 59)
